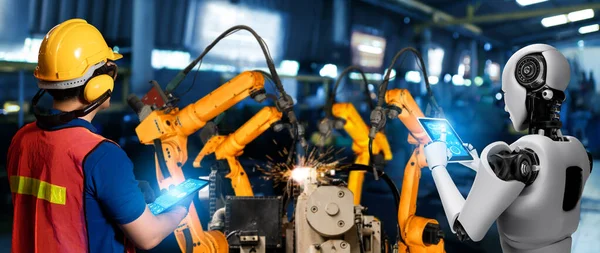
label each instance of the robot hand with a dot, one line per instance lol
(471, 164)
(437, 153)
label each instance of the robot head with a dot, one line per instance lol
(537, 69)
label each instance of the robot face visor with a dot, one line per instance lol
(96, 70)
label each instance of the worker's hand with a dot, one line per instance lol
(437, 153)
(148, 192)
(471, 164)
(185, 203)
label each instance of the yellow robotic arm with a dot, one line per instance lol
(359, 132)
(418, 234)
(168, 128)
(231, 146)
(412, 227)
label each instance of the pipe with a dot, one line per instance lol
(218, 220)
(390, 183)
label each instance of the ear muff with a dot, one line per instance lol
(97, 86)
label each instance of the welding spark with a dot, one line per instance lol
(292, 175)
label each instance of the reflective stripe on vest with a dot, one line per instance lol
(45, 170)
(42, 190)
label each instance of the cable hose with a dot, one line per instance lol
(421, 64)
(331, 99)
(390, 183)
(212, 192)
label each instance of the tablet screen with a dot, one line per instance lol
(433, 128)
(178, 193)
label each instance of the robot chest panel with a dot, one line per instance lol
(549, 207)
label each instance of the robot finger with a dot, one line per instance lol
(443, 134)
(468, 146)
(448, 154)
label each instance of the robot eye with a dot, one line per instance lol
(531, 71)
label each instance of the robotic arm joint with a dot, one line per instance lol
(520, 165)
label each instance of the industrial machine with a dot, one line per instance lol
(165, 126)
(327, 220)
(345, 116)
(231, 146)
(327, 215)
(417, 234)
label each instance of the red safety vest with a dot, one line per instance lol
(45, 169)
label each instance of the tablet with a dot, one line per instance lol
(173, 196)
(433, 126)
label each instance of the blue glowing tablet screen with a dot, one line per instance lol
(178, 193)
(455, 145)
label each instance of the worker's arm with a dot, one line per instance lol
(149, 230)
(111, 182)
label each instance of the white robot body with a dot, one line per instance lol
(532, 188)
(536, 217)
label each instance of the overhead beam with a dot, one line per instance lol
(394, 6)
(437, 15)
(509, 16)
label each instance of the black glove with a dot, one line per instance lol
(148, 192)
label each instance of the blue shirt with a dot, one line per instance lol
(111, 193)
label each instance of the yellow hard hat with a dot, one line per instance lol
(70, 49)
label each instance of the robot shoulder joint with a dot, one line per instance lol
(520, 165)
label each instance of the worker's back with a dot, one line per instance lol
(47, 184)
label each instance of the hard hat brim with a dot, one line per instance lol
(114, 56)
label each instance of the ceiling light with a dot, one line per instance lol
(529, 2)
(554, 20)
(581, 15)
(589, 29)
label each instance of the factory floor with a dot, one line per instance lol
(584, 240)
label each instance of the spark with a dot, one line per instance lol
(281, 172)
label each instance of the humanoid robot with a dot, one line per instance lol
(532, 187)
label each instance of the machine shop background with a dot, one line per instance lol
(312, 41)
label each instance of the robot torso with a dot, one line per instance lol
(546, 212)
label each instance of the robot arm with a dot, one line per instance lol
(162, 124)
(407, 110)
(498, 182)
(232, 146)
(167, 128)
(358, 131)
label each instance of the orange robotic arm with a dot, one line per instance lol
(231, 146)
(168, 128)
(359, 132)
(413, 227)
